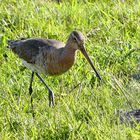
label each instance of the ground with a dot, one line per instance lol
(85, 108)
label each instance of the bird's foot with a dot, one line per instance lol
(51, 98)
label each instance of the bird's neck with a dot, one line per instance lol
(65, 60)
(69, 50)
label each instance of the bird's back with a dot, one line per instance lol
(28, 49)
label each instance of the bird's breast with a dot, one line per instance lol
(59, 66)
(53, 63)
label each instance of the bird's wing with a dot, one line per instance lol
(28, 49)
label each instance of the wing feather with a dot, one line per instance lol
(28, 49)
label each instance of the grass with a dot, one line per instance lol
(88, 112)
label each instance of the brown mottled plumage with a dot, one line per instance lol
(49, 56)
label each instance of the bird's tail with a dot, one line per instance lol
(13, 43)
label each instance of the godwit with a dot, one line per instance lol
(50, 57)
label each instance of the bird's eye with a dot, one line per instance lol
(74, 39)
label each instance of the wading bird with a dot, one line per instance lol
(50, 57)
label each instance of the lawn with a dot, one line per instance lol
(85, 109)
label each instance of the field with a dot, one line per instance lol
(85, 109)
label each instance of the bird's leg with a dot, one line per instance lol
(51, 95)
(31, 89)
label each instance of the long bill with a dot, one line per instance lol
(90, 62)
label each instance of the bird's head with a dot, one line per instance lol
(77, 41)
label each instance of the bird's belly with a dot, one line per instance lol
(50, 64)
(49, 69)
(35, 67)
